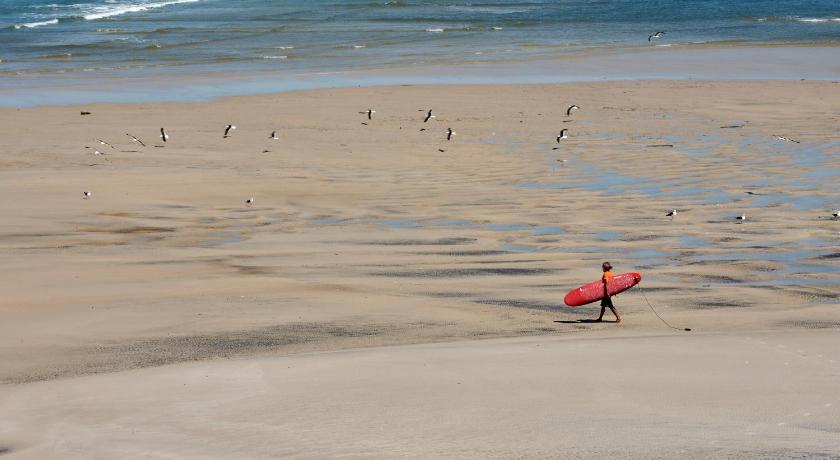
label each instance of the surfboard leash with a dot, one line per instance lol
(687, 329)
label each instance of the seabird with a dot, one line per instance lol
(449, 134)
(672, 213)
(569, 110)
(562, 162)
(228, 129)
(274, 136)
(105, 143)
(835, 214)
(563, 135)
(95, 152)
(429, 116)
(249, 201)
(741, 217)
(135, 139)
(656, 35)
(86, 195)
(85, 113)
(782, 138)
(163, 136)
(370, 113)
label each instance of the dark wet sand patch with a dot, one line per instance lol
(477, 253)
(532, 305)
(714, 304)
(437, 242)
(128, 230)
(832, 256)
(112, 357)
(811, 324)
(465, 272)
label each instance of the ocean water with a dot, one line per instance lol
(71, 36)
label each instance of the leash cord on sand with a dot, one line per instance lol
(641, 290)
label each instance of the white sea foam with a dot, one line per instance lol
(812, 19)
(359, 46)
(102, 12)
(274, 57)
(32, 25)
(434, 30)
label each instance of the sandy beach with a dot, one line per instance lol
(390, 293)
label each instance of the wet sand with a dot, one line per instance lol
(368, 237)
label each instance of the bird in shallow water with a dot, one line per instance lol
(656, 35)
(563, 135)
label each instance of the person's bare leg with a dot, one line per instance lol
(601, 316)
(615, 312)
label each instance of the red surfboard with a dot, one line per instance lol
(594, 291)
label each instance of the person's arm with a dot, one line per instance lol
(606, 291)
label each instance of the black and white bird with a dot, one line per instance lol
(228, 129)
(95, 152)
(570, 109)
(429, 116)
(671, 213)
(742, 217)
(449, 134)
(835, 213)
(656, 35)
(563, 135)
(274, 136)
(163, 136)
(105, 143)
(249, 201)
(786, 139)
(562, 162)
(135, 139)
(369, 113)
(86, 195)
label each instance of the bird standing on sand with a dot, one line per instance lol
(835, 214)
(656, 35)
(563, 135)
(672, 213)
(570, 109)
(449, 134)
(369, 113)
(274, 136)
(86, 195)
(163, 136)
(742, 217)
(135, 139)
(429, 116)
(249, 201)
(228, 129)
(787, 139)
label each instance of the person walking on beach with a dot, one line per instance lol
(607, 301)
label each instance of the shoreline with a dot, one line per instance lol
(686, 62)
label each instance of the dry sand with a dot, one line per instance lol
(367, 237)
